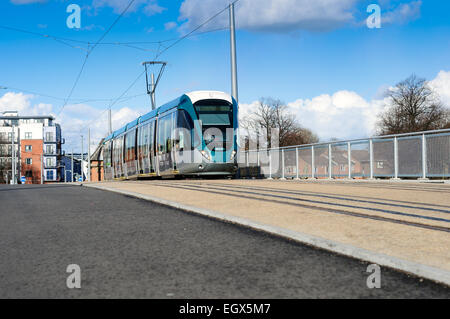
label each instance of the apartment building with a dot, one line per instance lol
(37, 147)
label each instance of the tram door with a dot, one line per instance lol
(145, 148)
(166, 144)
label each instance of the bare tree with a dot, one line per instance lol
(274, 114)
(414, 107)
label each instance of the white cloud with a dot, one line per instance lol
(76, 117)
(272, 15)
(441, 84)
(150, 7)
(15, 102)
(293, 15)
(170, 25)
(345, 114)
(404, 13)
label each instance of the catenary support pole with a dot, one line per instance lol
(234, 85)
(153, 92)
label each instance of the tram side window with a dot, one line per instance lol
(130, 145)
(151, 136)
(141, 142)
(186, 126)
(144, 141)
(164, 133)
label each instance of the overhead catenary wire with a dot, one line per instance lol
(132, 45)
(115, 101)
(77, 100)
(90, 51)
(195, 29)
(191, 33)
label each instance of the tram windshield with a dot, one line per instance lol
(216, 117)
(214, 112)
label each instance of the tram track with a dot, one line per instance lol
(280, 199)
(340, 205)
(344, 198)
(378, 185)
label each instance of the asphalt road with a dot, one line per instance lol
(130, 248)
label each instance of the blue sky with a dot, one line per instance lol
(302, 52)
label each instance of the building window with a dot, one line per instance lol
(48, 149)
(49, 162)
(28, 135)
(29, 174)
(29, 161)
(49, 136)
(28, 148)
(342, 168)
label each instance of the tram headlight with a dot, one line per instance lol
(206, 155)
(233, 154)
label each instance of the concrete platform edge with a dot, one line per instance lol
(416, 269)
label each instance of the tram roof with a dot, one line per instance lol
(193, 96)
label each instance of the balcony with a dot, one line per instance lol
(52, 164)
(52, 152)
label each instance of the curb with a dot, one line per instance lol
(416, 269)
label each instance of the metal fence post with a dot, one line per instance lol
(349, 155)
(270, 164)
(330, 164)
(371, 157)
(313, 164)
(296, 164)
(282, 165)
(395, 158)
(424, 157)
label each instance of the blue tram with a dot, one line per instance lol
(194, 135)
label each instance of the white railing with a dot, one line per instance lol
(418, 155)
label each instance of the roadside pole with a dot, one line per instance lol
(72, 166)
(89, 155)
(82, 158)
(42, 169)
(13, 158)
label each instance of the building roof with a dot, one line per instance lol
(27, 117)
